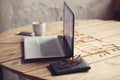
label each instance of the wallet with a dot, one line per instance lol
(81, 67)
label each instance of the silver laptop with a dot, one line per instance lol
(52, 46)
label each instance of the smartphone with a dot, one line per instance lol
(25, 33)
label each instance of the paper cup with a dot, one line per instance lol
(39, 28)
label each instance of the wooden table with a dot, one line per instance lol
(98, 42)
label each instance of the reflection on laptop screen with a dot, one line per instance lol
(68, 25)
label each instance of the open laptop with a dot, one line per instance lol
(52, 46)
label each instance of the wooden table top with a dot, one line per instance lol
(98, 42)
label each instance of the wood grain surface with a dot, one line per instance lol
(97, 41)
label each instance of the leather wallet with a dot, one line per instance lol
(81, 67)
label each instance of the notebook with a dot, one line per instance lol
(52, 47)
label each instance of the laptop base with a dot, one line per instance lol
(43, 59)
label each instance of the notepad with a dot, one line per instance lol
(55, 70)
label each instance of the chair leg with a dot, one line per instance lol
(1, 74)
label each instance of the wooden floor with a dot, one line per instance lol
(98, 42)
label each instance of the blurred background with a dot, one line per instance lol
(16, 13)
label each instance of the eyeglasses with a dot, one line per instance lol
(69, 62)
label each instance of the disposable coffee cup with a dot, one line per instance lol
(39, 28)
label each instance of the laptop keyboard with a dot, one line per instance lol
(48, 46)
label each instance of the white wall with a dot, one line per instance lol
(14, 13)
(5, 22)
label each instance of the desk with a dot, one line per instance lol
(98, 42)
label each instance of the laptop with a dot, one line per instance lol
(52, 47)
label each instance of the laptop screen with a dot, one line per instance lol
(68, 23)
